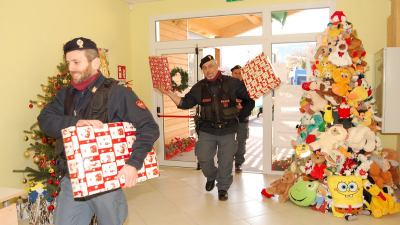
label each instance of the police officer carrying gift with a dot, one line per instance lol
(243, 128)
(218, 121)
(92, 99)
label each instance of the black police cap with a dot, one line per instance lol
(236, 68)
(79, 43)
(206, 59)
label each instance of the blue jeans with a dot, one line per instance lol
(110, 208)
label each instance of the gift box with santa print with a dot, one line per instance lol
(160, 74)
(95, 156)
(259, 76)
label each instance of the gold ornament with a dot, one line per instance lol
(26, 138)
(27, 153)
(51, 170)
(33, 136)
(36, 159)
(24, 181)
(40, 104)
(65, 81)
(45, 88)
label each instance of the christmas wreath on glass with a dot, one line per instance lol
(179, 145)
(179, 78)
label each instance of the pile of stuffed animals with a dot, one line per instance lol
(339, 165)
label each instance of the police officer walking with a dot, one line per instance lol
(92, 99)
(243, 129)
(218, 122)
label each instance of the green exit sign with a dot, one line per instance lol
(233, 0)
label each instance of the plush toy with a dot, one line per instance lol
(280, 187)
(303, 193)
(317, 102)
(381, 203)
(362, 118)
(318, 166)
(330, 140)
(337, 17)
(342, 77)
(357, 95)
(363, 167)
(344, 110)
(393, 157)
(320, 199)
(347, 196)
(380, 177)
(328, 117)
(361, 138)
(339, 56)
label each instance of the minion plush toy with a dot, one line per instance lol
(347, 196)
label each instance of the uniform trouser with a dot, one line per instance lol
(224, 146)
(241, 137)
(110, 208)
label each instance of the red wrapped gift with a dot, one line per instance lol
(160, 72)
(95, 156)
(259, 76)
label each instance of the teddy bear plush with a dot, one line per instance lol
(330, 140)
(380, 177)
(280, 187)
(361, 138)
(393, 157)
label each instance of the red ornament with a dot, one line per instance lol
(54, 194)
(50, 208)
(53, 174)
(44, 140)
(50, 181)
(53, 162)
(57, 182)
(30, 105)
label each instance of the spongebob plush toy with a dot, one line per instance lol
(347, 195)
(381, 203)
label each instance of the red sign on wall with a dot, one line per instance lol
(121, 72)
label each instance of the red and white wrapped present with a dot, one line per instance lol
(160, 72)
(259, 76)
(95, 156)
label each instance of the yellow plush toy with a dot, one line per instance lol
(381, 203)
(357, 95)
(328, 117)
(342, 77)
(347, 195)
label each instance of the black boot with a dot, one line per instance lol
(198, 166)
(210, 185)
(222, 195)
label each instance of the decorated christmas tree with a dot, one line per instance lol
(338, 165)
(43, 182)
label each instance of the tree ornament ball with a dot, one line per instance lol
(27, 154)
(40, 104)
(33, 136)
(24, 181)
(65, 81)
(26, 138)
(36, 159)
(51, 170)
(30, 105)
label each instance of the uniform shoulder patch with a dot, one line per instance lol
(140, 104)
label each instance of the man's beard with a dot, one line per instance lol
(85, 74)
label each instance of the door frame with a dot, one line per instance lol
(266, 40)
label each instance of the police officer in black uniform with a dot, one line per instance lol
(218, 121)
(92, 99)
(243, 129)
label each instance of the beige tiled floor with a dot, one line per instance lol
(178, 198)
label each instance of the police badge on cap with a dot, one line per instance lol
(79, 43)
(206, 59)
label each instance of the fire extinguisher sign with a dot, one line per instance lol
(121, 72)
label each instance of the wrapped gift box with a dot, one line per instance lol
(96, 155)
(259, 76)
(160, 72)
